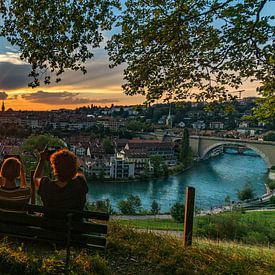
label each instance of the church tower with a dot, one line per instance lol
(3, 106)
(169, 119)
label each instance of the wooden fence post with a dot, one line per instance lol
(32, 189)
(188, 215)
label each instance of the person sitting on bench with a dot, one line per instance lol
(68, 190)
(12, 168)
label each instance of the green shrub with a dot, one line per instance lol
(272, 200)
(155, 209)
(269, 137)
(130, 206)
(246, 193)
(252, 228)
(177, 212)
(101, 206)
(271, 184)
(227, 199)
(255, 238)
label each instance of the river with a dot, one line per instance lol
(213, 180)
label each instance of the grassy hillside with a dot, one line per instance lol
(133, 252)
(248, 227)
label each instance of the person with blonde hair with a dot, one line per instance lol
(68, 189)
(12, 168)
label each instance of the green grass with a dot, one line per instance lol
(132, 252)
(155, 224)
(250, 227)
(167, 255)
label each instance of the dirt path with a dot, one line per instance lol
(143, 217)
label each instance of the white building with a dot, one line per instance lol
(121, 167)
(199, 125)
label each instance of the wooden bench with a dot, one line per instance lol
(68, 228)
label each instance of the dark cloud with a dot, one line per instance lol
(62, 98)
(99, 76)
(3, 96)
(105, 100)
(13, 76)
(59, 98)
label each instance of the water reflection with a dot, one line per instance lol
(213, 180)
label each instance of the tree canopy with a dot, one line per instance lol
(35, 144)
(265, 109)
(172, 48)
(55, 35)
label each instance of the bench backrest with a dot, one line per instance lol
(31, 222)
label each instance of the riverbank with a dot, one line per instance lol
(172, 172)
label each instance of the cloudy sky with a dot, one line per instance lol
(100, 86)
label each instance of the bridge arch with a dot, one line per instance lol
(249, 146)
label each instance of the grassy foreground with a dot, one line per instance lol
(250, 227)
(132, 252)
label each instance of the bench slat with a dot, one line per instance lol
(41, 209)
(54, 224)
(50, 235)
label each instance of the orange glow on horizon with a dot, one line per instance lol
(98, 97)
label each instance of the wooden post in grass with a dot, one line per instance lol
(188, 215)
(32, 189)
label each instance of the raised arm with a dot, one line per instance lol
(38, 174)
(23, 182)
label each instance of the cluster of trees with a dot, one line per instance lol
(132, 206)
(159, 166)
(271, 184)
(185, 151)
(9, 130)
(35, 144)
(139, 126)
(101, 206)
(246, 193)
(269, 136)
(108, 146)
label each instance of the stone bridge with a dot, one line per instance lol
(202, 145)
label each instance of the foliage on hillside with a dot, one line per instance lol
(250, 227)
(132, 252)
(37, 143)
(166, 255)
(257, 228)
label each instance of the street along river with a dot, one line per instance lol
(213, 180)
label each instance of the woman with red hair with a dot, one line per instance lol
(68, 189)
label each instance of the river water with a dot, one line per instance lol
(213, 180)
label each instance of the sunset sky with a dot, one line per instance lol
(100, 86)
